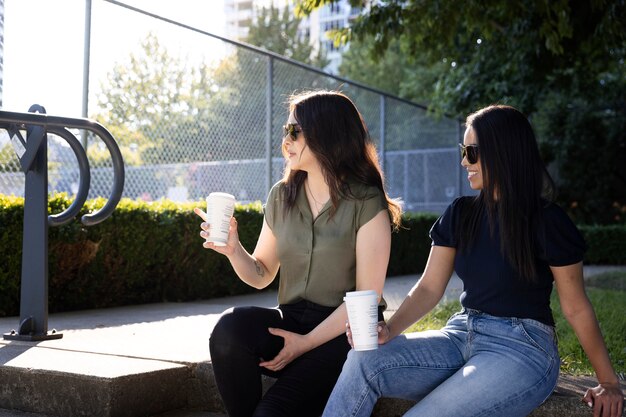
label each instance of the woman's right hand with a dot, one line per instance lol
(233, 235)
(383, 333)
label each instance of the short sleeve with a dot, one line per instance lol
(373, 203)
(443, 232)
(273, 204)
(560, 241)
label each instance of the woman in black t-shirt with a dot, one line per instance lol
(498, 356)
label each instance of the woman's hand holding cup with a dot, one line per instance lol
(233, 235)
(381, 328)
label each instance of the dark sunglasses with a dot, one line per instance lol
(291, 129)
(470, 152)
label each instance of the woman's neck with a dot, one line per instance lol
(317, 189)
(317, 182)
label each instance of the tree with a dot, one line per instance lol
(277, 31)
(393, 72)
(155, 101)
(8, 160)
(560, 62)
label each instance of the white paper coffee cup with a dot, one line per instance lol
(219, 210)
(362, 309)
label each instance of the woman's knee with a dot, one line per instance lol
(242, 326)
(235, 327)
(358, 365)
(226, 326)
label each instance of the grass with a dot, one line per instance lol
(607, 293)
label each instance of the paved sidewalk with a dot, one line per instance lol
(115, 343)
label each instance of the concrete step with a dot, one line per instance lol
(187, 391)
(72, 383)
(16, 413)
(147, 360)
(130, 361)
(189, 413)
(103, 386)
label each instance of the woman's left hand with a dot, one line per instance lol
(295, 345)
(607, 400)
(381, 328)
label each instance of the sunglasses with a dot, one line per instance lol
(291, 129)
(470, 152)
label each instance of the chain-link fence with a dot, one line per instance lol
(221, 129)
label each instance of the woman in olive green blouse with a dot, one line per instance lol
(327, 226)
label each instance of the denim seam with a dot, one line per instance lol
(370, 379)
(508, 399)
(417, 365)
(544, 327)
(522, 328)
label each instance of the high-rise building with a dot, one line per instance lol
(240, 14)
(325, 19)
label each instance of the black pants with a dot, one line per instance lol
(241, 340)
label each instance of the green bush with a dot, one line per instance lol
(606, 244)
(410, 246)
(152, 252)
(11, 219)
(143, 253)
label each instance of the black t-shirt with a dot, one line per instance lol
(490, 283)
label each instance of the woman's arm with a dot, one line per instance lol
(424, 295)
(257, 270)
(373, 246)
(607, 397)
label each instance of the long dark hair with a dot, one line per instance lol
(336, 134)
(516, 185)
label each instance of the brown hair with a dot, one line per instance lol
(337, 135)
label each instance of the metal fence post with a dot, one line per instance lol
(268, 121)
(86, 56)
(381, 148)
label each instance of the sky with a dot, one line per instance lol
(44, 45)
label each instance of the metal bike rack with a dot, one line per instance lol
(33, 155)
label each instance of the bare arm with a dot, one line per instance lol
(373, 245)
(425, 294)
(607, 398)
(257, 270)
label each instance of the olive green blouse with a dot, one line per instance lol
(318, 256)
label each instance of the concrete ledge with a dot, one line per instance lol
(153, 360)
(162, 387)
(564, 402)
(63, 394)
(69, 383)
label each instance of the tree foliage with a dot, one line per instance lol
(169, 109)
(152, 98)
(561, 62)
(277, 30)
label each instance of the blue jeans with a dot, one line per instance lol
(477, 365)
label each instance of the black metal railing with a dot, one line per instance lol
(32, 152)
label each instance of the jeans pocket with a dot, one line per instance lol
(540, 338)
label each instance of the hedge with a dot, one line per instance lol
(151, 252)
(143, 253)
